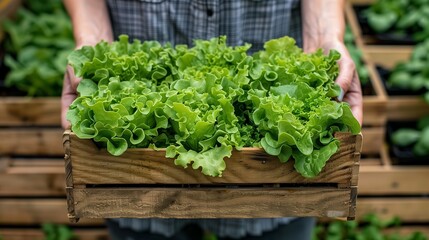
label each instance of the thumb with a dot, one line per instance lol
(345, 77)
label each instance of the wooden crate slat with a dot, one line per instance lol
(34, 211)
(406, 108)
(387, 56)
(373, 139)
(37, 234)
(26, 111)
(407, 209)
(378, 180)
(32, 177)
(32, 184)
(31, 141)
(383, 179)
(144, 166)
(210, 203)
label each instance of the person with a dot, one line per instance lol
(312, 23)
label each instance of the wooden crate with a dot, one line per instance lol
(374, 113)
(142, 183)
(394, 191)
(30, 127)
(398, 107)
(32, 176)
(378, 177)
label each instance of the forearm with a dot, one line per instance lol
(90, 19)
(322, 22)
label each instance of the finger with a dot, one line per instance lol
(354, 98)
(67, 97)
(347, 70)
(74, 81)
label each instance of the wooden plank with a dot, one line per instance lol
(374, 111)
(26, 111)
(210, 203)
(35, 211)
(32, 184)
(373, 139)
(406, 108)
(37, 234)
(387, 56)
(408, 209)
(395, 180)
(370, 162)
(145, 166)
(31, 141)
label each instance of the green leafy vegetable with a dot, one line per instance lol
(201, 102)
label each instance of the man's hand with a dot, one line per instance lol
(91, 24)
(323, 27)
(68, 95)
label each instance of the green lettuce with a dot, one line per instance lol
(201, 102)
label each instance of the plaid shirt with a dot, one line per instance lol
(181, 21)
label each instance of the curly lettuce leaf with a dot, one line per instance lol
(200, 102)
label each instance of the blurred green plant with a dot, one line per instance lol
(370, 228)
(37, 44)
(417, 138)
(413, 75)
(57, 232)
(400, 17)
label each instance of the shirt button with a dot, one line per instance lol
(210, 12)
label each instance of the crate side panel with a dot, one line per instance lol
(210, 203)
(144, 166)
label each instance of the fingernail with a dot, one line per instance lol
(341, 96)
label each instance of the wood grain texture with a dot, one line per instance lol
(210, 203)
(406, 108)
(33, 177)
(144, 166)
(387, 56)
(31, 141)
(37, 234)
(33, 211)
(26, 111)
(373, 139)
(407, 209)
(395, 180)
(36, 184)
